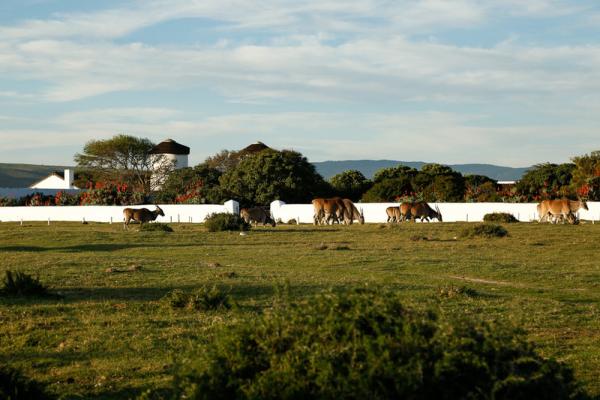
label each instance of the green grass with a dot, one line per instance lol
(110, 335)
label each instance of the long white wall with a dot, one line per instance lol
(173, 212)
(373, 212)
(451, 212)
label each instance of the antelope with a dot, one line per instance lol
(423, 211)
(326, 210)
(393, 214)
(140, 215)
(405, 209)
(256, 215)
(351, 212)
(560, 209)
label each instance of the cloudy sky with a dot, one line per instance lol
(509, 82)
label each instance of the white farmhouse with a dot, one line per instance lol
(56, 180)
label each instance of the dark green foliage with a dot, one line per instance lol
(225, 222)
(198, 185)
(15, 386)
(209, 298)
(273, 175)
(350, 184)
(364, 345)
(586, 176)
(204, 299)
(546, 181)
(481, 188)
(500, 217)
(399, 171)
(20, 284)
(388, 190)
(484, 230)
(156, 227)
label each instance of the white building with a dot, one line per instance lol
(172, 151)
(56, 180)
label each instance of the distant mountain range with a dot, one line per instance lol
(368, 167)
(23, 175)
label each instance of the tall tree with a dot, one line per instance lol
(350, 184)
(125, 159)
(273, 175)
(586, 175)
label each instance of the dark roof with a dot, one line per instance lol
(170, 146)
(255, 148)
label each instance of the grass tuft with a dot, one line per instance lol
(451, 291)
(500, 217)
(484, 230)
(156, 227)
(220, 222)
(20, 284)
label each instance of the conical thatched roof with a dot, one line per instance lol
(170, 146)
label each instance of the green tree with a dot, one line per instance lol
(586, 175)
(123, 159)
(273, 175)
(480, 188)
(350, 184)
(547, 181)
(398, 171)
(197, 185)
(436, 182)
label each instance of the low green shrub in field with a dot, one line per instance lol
(20, 284)
(225, 222)
(484, 230)
(454, 291)
(15, 386)
(204, 299)
(156, 227)
(367, 345)
(500, 217)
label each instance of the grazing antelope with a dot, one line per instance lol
(423, 211)
(405, 208)
(140, 215)
(256, 215)
(393, 214)
(332, 210)
(351, 213)
(560, 209)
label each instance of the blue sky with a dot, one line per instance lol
(509, 82)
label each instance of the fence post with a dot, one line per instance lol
(171, 218)
(48, 221)
(111, 220)
(467, 217)
(178, 221)
(21, 221)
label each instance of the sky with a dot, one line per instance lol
(508, 82)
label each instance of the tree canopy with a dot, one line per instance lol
(350, 184)
(123, 158)
(271, 175)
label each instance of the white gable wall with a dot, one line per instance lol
(51, 182)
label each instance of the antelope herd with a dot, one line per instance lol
(344, 211)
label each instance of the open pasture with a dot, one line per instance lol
(110, 336)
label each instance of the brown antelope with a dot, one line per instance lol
(351, 213)
(140, 215)
(423, 211)
(326, 210)
(560, 209)
(393, 214)
(405, 208)
(256, 215)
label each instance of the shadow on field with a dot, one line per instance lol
(94, 247)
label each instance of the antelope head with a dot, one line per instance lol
(159, 211)
(438, 213)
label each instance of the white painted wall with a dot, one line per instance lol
(451, 212)
(173, 212)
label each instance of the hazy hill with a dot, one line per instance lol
(24, 175)
(368, 168)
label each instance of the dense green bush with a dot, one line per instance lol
(500, 217)
(219, 222)
(484, 230)
(21, 284)
(156, 227)
(367, 345)
(15, 386)
(204, 299)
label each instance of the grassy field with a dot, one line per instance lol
(110, 336)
